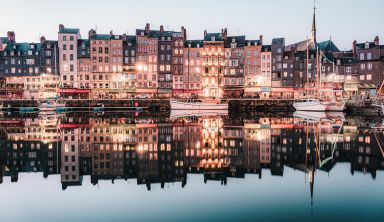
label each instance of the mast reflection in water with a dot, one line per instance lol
(162, 150)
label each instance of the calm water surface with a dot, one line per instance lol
(157, 167)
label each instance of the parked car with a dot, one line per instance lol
(142, 96)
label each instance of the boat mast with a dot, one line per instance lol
(307, 67)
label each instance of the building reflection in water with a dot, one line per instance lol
(164, 150)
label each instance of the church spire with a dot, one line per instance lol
(313, 36)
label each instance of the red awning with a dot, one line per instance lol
(73, 91)
(73, 126)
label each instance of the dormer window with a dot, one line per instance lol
(189, 45)
(142, 33)
(213, 38)
(367, 45)
(32, 46)
(198, 45)
(233, 40)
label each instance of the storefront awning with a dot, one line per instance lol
(73, 91)
(282, 89)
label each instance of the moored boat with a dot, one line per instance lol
(309, 105)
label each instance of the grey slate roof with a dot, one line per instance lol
(266, 48)
(194, 43)
(240, 40)
(218, 37)
(278, 41)
(252, 42)
(70, 30)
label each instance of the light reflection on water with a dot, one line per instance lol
(268, 167)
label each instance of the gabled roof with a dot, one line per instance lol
(70, 30)
(328, 46)
(301, 46)
(217, 36)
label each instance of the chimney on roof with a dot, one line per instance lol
(91, 33)
(261, 39)
(205, 33)
(61, 26)
(11, 36)
(124, 37)
(147, 27)
(111, 32)
(354, 51)
(225, 34)
(184, 32)
(161, 28)
(42, 39)
(377, 40)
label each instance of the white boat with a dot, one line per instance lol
(205, 105)
(334, 105)
(51, 105)
(188, 113)
(309, 105)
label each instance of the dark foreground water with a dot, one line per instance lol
(150, 167)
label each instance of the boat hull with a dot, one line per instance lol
(309, 106)
(335, 106)
(177, 105)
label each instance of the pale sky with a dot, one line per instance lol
(344, 20)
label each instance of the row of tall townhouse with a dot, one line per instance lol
(164, 63)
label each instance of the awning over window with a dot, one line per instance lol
(73, 91)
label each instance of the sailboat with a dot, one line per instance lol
(317, 103)
(309, 104)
